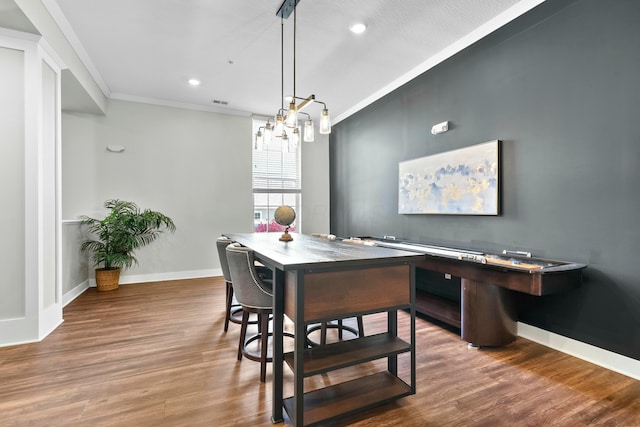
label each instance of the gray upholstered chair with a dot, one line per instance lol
(254, 296)
(222, 243)
(233, 309)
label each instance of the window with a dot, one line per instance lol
(276, 181)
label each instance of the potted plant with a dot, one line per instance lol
(125, 229)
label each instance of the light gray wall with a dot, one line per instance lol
(79, 168)
(315, 185)
(193, 166)
(75, 264)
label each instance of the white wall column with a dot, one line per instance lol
(31, 303)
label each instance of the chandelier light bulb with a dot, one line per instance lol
(259, 140)
(292, 116)
(308, 131)
(268, 132)
(295, 139)
(279, 127)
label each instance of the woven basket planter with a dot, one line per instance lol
(107, 280)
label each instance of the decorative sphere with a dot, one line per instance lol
(285, 215)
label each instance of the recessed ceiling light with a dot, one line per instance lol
(194, 82)
(358, 28)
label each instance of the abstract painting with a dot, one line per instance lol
(458, 182)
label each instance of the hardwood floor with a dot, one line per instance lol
(156, 355)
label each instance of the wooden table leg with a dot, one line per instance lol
(488, 314)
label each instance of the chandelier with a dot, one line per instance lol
(286, 124)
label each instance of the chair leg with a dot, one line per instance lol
(243, 333)
(264, 331)
(229, 302)
(323, 330)
(323, 333)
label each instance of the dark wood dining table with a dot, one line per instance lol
(317, 279)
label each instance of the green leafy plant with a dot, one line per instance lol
(125, 229)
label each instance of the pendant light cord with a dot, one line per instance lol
(294, 53)
(281, 63)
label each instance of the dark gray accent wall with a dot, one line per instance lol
(560, 86)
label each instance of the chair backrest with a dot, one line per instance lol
(249, 290)
(222, 242)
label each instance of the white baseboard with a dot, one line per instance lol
(160, 277)
(607, 359)
(50, 328)
(74, 293)
(177, 275)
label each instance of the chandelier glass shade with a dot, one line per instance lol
(292, 115)
(325, 122)
(309, 135)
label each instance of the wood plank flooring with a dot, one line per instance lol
(155, 354)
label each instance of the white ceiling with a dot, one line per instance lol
(147, 49)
